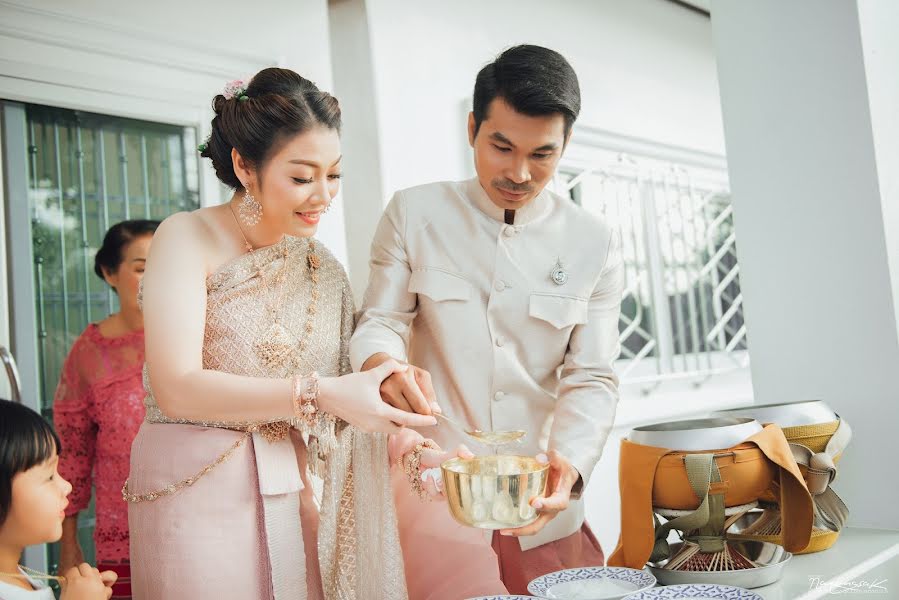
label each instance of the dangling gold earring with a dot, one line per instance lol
(250, 210)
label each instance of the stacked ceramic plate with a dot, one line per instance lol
(591, 583)
(619, 583)
(696, 591)
(514, 597)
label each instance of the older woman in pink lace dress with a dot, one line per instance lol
(99, 405)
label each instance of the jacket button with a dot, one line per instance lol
(499, 286)
(509, 231)
(500, 342)
(498, 396)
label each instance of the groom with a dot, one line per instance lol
(504, 296)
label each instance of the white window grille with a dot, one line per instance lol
(682, 311)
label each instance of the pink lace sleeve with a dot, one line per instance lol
(76, 428)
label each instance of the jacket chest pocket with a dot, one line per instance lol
(561, 312)
(440, 286)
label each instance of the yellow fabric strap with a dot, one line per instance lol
(814, 437)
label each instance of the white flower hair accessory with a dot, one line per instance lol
(236, 89)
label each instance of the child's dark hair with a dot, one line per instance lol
(26, 440)
(112, 252)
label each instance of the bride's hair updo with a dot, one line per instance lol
(276, 105)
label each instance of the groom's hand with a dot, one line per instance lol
(411, 391)
(561, 479)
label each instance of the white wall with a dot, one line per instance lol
(806, 119)
(183, 49)
(355, 87)
(646, 68)
(161, 60)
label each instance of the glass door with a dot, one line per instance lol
(69, 176)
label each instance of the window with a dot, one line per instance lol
(85, 173)
(81, 173)
(682, 314)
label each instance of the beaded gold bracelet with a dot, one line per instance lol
(413, 468)
(305, 398)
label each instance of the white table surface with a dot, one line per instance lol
(863, 563)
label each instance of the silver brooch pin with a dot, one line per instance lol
(559, 275)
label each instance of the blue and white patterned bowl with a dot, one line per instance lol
(591, 583)
(700, 591)
(503, 598)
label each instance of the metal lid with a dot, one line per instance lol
(696, 434)
(786, 414)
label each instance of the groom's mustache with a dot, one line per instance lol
(511, 186)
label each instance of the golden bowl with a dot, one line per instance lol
(494, 492)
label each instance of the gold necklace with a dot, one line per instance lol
(276, 347)
(31, 573)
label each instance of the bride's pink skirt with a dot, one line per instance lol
(208, 540)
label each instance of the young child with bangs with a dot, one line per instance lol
(32, 509)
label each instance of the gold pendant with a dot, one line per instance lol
(276, 346)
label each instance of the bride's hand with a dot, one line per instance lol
(356, 398)
(432, 480)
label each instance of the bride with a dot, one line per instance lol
(249, 388)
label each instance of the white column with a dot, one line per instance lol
(354, 84)
(809, 97)
(880, 45)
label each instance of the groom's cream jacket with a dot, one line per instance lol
(456, 291)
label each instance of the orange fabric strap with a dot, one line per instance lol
(796, 503)
(636, 473)
(636, 476)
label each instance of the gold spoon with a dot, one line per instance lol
(490, 438)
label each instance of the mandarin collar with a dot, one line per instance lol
(531, 211)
